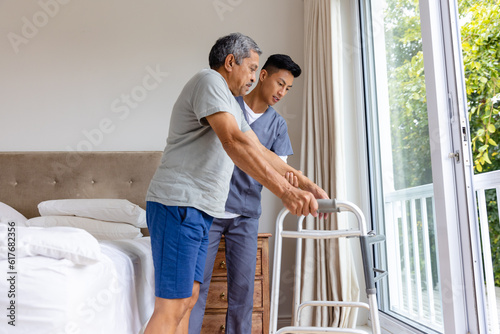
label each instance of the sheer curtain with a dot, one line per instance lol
(328, 263)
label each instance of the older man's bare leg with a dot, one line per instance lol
(184, 323)
(169, 315)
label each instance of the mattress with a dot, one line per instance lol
(52, 296)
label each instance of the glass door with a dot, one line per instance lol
(480, 28)
(400, 126)
(420, 165)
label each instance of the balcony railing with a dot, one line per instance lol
(414, 291)
(482, 184)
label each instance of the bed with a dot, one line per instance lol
(75, 253)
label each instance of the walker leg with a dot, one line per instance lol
(275, 287)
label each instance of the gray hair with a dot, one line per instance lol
(236, 44)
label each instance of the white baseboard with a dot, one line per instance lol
(287, 321)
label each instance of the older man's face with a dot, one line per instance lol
(243, 75)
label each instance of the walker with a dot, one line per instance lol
(372, 275)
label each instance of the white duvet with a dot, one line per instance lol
(52, 294)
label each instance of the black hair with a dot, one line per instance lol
(236, 44)
(278, 62)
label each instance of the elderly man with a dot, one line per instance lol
(207, 134)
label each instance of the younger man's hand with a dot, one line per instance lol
(292, 179)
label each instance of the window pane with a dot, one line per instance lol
(404, 178)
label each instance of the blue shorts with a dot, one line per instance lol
(179, 240)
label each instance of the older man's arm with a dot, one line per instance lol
(283, 168)
(246, 152)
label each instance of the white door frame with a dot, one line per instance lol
(460, 272)
(459, 254)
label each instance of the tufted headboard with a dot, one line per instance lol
(27, 178)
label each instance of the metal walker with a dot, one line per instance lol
(371, 274)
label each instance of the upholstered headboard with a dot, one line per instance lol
(27, 178)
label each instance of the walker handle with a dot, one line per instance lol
(328, 205)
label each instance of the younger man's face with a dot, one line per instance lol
(276, 85)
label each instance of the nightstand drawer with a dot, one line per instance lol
(220, 264)
(216, 323)
(217, 294)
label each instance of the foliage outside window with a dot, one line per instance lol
(481, 53)
(407, 96)
(409, 123)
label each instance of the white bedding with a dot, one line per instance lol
(56, 296)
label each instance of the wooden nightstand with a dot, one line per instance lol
(215, 311)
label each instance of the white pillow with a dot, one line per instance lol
(113, 210)
(10, 214)
(101, 230)
(69, 243)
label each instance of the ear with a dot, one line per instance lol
(263, 74)
(229, 62)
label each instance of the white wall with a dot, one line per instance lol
(68, 66)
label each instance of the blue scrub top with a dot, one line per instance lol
(245, 192)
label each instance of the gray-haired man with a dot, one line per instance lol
(208, 132)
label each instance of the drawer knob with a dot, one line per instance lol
(223, 296)
(222, 264)
(222, 328)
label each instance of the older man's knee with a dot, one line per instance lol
(194, 295)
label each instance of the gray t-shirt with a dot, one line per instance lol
(195, 170)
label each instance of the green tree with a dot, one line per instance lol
(481, 53)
